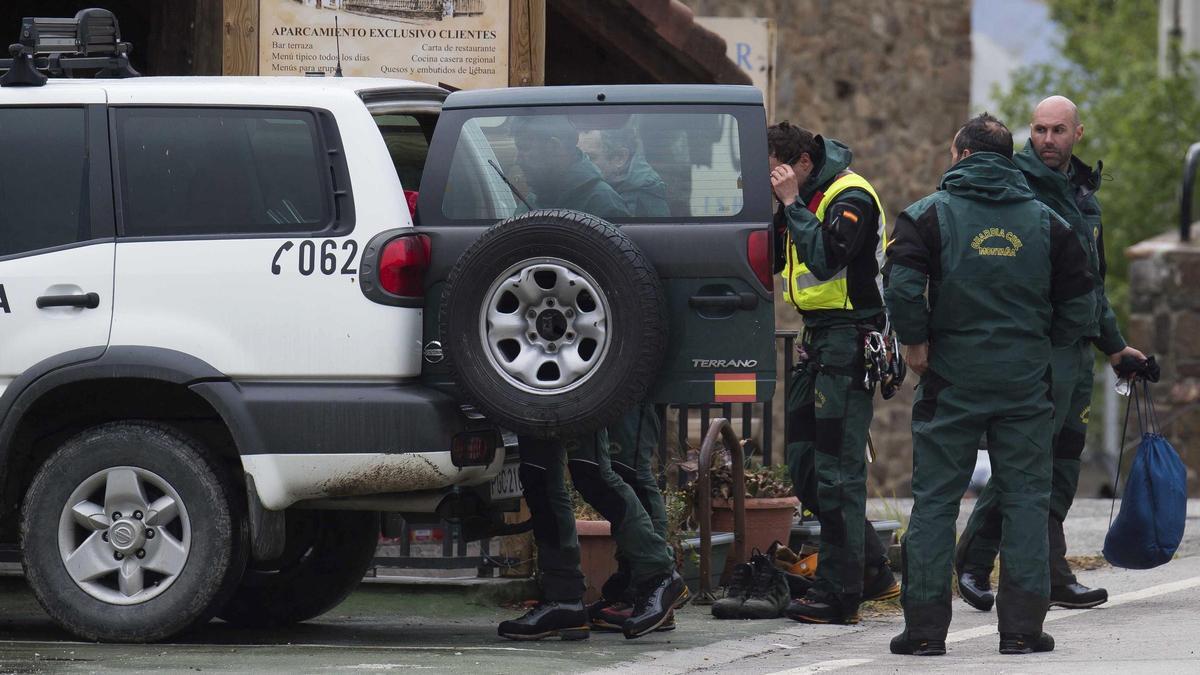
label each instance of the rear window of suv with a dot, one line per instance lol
(633, 163)
(221, 171)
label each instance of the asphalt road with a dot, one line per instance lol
(1149, 626)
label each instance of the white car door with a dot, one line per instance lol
(56, 228)
(240, 242)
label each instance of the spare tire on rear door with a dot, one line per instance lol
(555, 323)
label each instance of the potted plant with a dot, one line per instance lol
(770, 504)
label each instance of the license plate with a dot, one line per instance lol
(507, 484)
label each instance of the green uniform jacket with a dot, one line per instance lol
(838, 243)
(644, 192)
(582, 188)
(1073, 196)
(1006, 276)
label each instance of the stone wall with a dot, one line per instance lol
(892, 80)
(1164, 319)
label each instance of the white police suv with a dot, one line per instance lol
(216, 363)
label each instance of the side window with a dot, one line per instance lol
(209, 171)
(44, 185)
(617, 165)
(407, 139)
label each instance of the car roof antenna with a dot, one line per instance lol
(337, 36)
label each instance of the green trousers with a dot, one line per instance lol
(632, 442)
(1072, 381)
(543, 473)
(830, 416)
(948, 422)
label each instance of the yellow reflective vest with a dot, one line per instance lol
(801, 288)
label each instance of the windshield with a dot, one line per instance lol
(616, 165)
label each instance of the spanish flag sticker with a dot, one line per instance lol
(735, 388)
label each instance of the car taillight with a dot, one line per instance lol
(410, 196)
(402, 265)
(474, 448)
(758, 254)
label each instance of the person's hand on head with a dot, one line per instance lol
(785, 184)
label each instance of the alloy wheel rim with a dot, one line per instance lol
(124, 535)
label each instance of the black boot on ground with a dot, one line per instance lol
(769, 594)
(1016, 643)
(566, 620)
(798, 584)
(817, 607)
(975, 588)
(1077, 596)
(880, 584)
(654, 605)
(901, 644)
(741, 579)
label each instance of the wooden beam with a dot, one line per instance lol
(527, 43)
(239, 44)
(621, 29)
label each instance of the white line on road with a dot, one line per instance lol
(824, 666)
(990, 629)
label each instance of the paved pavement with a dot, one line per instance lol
(1148, 626)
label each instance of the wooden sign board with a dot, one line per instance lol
(461, 43)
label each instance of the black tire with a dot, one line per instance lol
(636, 309)
(213, 562)
(325, 557)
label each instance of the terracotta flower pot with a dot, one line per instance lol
(767, 520)
(597, 551)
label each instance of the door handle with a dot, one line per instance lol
(85, 301)
(728, 302)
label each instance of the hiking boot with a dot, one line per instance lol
(798, 584)
(611, 617)
(903, 645)
(880, 584)
(782, 556)
(769, 594)
(819, 607)
(975, 588)
(1077, 596)
(618, 587)
(566, 620)
(608, 616)
(1016, 643)
(740, 581)
(655, 605)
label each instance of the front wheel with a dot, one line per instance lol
(324, 559)
(131, 533)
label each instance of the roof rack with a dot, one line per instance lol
(59, 47)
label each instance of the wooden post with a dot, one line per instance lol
(527, 43)
(239, 43)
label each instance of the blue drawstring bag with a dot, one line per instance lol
(1150, 524)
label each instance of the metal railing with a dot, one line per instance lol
(721, 429)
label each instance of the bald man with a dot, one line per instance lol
(1063, 182)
